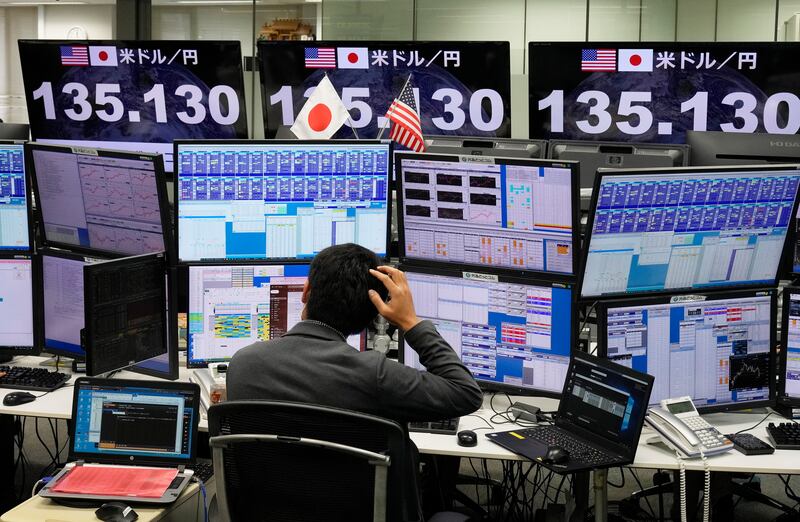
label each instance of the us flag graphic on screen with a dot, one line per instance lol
(403, 113)
(599, 60)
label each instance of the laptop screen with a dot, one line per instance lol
(606, 399)
(127, 421)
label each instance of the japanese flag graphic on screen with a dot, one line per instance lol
(635, 60)
(352, 57)
(322, 115)
(103, 55)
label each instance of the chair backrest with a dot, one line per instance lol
(287, 482)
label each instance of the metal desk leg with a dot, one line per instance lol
(600, 495)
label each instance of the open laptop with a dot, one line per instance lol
(599, 419)
(137, 423)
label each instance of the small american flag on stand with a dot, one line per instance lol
(403, 113)
(599, 60)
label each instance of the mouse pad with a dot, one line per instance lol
(517, 442)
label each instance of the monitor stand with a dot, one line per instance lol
(64, 362)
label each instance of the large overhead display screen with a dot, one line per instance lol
(656, 92)
(462, 88)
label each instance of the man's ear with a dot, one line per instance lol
(306, 291)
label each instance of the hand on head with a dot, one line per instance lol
(399, 309)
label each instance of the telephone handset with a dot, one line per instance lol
(682, 428)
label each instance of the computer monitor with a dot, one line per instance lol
(735, 148)
(100, 200)
(594, 155)
(789, 368)
(15, 222)
(18, 306)
(717, 348)
(474, 146)
(511, 214)
(125, 312)
(280, 200)
(15, 131)
(62, 288)
(514, 334)
(235, 305)
(694, 228)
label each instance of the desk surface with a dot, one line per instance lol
(58, 405)
(186, 507)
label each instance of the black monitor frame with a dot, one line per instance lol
(786, 255)
(783, 353)
(618, 148)
(481, 146)
(538, 274)
(491, 386)
(94, 361)
(62, 254)
(161, 189)
(20, 132)
(88, 382)
(785, 146)
(37, 312)
(29, 212)
(269, 143)
(602, 331)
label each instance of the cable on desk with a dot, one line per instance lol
(489, 424)
(202, 486)
(622, 476)
(756, 425)
(682, 485)
(586, 320)
(787, 488)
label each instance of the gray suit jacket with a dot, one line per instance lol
(313, 364)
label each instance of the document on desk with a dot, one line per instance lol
(120, 481)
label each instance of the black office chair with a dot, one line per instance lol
(284, 461)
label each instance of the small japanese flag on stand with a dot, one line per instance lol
(322, 115)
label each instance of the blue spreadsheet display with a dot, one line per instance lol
(13, 200)
(505, 333)
(717, 352)
(690, 230)
(140, 422)
(280, 201)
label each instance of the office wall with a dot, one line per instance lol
(92, 21)
(616, 20)
(15, 23)
(746, 20)
(697, 20)
(658, 22)
(368, 20)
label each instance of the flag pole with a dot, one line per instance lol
(391, 107)
(348, 112)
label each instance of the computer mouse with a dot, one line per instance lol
(467, 438)
(556, 455)
(18, 397)
(116, 512)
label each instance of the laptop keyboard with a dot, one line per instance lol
(444, 426)
(578, 451)
(202, 470)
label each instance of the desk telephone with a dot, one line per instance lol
(682, 429)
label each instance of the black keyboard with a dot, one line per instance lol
(578, 451)
(32, 379)
(785, 435)
(444, 426)
(202, 470)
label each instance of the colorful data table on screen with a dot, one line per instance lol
(15, 233)
(717, 348)
(508, 214)
(280, 200)
(683, 229)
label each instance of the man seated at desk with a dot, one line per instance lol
(312, 363)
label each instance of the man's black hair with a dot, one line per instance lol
(339, 279)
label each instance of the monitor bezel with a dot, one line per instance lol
(29, 212)
(61, 254)
(37, 307)
(186, 300)
(602, 333)
(783, 353)
(574, 168)
(178, 386)
(173, 369)
(677, 171)
(161, 190)
(267, 143)
(92, 359)
(491, 386)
